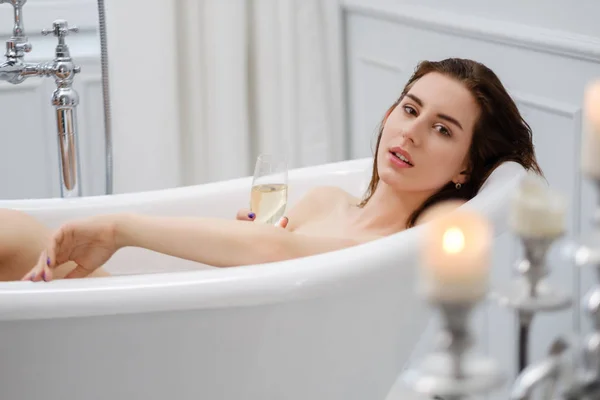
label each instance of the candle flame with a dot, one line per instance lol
(453, 240)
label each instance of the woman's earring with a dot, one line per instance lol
(458, 185)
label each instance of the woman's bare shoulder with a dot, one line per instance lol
(326, 196)
(316, 201)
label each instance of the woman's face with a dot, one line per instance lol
(427, 136)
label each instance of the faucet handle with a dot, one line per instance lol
(60, 29)
(24, 47)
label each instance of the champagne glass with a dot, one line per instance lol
(268, 198)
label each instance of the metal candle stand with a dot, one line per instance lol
(450, 373)
(530, 294)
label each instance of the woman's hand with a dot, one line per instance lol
(89, 243)
(246, 215)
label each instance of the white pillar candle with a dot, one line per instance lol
(456, 258)
(590, 144)
(536, 211)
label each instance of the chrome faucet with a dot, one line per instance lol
(555, 376)
(64, 99)
(546, 371)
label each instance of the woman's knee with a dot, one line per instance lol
(22, 238)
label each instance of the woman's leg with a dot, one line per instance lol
(22, 239)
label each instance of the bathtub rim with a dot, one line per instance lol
(141, 198)
(230, 287)
(252, 285)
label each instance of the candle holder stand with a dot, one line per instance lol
(559, 375)
(452, 372)
(570, 371)
(530, 293)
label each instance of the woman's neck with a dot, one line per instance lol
(388, 211)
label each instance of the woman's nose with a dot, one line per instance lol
(413, 131)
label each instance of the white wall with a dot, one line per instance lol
(544, 59)
(143, 58)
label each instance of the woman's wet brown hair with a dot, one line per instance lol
(500, 134)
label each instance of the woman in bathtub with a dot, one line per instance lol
(452, 125)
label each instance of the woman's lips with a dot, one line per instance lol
(398, 162)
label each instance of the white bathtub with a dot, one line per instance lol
(334, 326)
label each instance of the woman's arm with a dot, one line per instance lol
(224, 243)
(221, 243)
(91, 242)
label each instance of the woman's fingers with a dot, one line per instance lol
(283, 221)
(60, 246)
(31, 275)
(48, 259)
(41, 271)
(245, 215)
(78, 272)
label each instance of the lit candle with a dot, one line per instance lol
(590, 145)
(456, 258)
(536, 211)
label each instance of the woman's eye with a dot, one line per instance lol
(410, 110)
(443, 130)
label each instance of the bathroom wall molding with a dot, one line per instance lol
(380, 63)
(39, 14)
(565, 44)
(546, 104)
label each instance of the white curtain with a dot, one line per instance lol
(143, 56)
(258, 76)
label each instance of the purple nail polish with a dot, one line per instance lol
(251, 215)
(48, 261)
(44, 275)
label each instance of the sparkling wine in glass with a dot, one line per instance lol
(269, 194)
